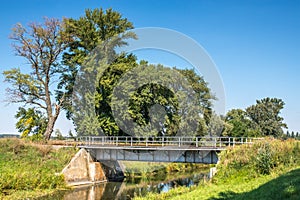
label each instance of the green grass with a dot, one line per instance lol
(28, 169)
(155, 171)
(266, 170)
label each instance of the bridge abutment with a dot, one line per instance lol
(83, 170)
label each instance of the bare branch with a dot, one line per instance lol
(42, 46)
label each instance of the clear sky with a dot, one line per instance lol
(255, 44)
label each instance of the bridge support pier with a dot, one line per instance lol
(83, 170)
(113, 170)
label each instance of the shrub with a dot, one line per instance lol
(263, 161)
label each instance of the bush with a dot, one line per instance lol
(264, 162)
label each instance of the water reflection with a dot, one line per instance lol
(128, 189)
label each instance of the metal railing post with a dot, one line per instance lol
(215, 142)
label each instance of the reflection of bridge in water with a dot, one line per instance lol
(159, 149)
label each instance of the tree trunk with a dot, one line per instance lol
(51, 123)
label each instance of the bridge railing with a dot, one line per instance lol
(131, 141)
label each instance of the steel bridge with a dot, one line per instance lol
(159, 149)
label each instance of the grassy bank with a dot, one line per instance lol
(147, 169)
(269, 169)
(28, 169)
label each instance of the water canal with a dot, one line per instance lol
(132, 187)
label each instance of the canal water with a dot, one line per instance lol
(130, 188)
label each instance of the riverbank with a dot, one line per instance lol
(269, 169)
(29, 170)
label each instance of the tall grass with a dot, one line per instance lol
(27, 166)
(268, 169)
(263, 157)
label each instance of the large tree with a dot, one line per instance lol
(89, 33)
(99, 32)
(41, 45)
(261, 119)
(266, 116)
(92, 30)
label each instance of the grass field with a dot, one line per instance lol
(28, 169)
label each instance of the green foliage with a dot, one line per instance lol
(158, 102)
(282, 186)
(32, 122)
(202, 92)
(261, 119)
(264, 161)
(88, 32)
(25, 166)
(139, 172)
(260, 158)
(216, 125)
(242, 126)
(291, 135)
(104, 91)
(266, 116)
(98, 29)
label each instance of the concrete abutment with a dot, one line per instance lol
(82, 169)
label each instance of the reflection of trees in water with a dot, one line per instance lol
(141, 190)
(125, 190)
(148, 177)
(112, 189)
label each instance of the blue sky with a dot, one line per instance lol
(255, 44)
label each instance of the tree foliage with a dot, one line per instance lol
(241, 124)
(266, 116)
(31, 121)
(261, 119)
(89, 31)
(163, 101)
(91, 35)
(56, 49)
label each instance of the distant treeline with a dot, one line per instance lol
(292, 134)
(9, 136)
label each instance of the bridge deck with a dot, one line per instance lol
(155, 148)
(159, 149)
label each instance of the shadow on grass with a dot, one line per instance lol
(286, 186)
